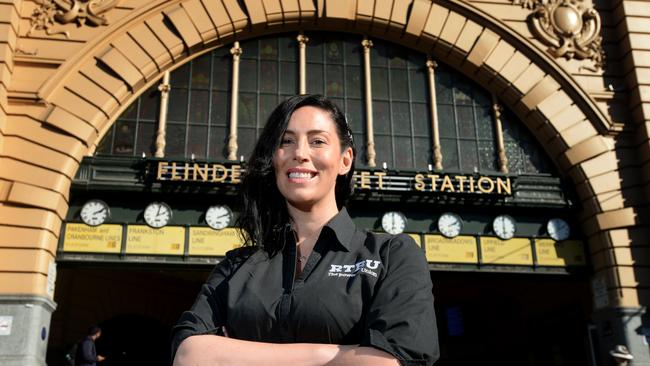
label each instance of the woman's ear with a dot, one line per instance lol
(347, 157)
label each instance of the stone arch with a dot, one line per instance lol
(90, 90)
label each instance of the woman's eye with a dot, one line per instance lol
(318, 142)
(286, 141)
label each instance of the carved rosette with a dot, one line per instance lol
(570, 29)
(50, 12)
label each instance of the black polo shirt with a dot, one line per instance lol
(357, 287)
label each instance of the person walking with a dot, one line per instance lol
(86, 352)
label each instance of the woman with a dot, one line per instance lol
(309, 288)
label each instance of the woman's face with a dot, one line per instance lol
(310, 159)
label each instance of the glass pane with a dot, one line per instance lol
(180, 77)
(315, 78)
(197, 141)
(381, 117)
(421, 121)
(248, 75)
(353, 82)
(104, 147)
(199, 106)
(247, 109)
(288, 79)
(465, 122)
(423, 156)
(469, 155)
(222, 72)
(360, 145)
(334, 77)
(403, 153)
(220, 108)
(397, 57)
(315, 49)
(399, 84)
(353, 50)
(379, 83)
(417, 61)
(269, 49)
(124, 138)
(484, 123)
(463, 92)
(250, 49)
(356, 115)
(384, 150)
(218, 142)
(449, 154)
(269, 76)
(146, 139)
(267, 105)
(246, 141)
(487, 155)
(288, 48)
(149, 103)
(334, 52)
(201, 72)
(177, 110)
(444, 87)
(419, 85)
(175, 140)
(131, 111)
(401, 119)
(481, 96)
(446, 121)
(378, 54)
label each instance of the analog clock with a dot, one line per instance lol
(504, 226)
(218, 217)
(393, 222)
(558, 229)
(450, 224)
(157, 214)
(95, 212)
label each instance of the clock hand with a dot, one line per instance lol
(102, 210)
(224, 215)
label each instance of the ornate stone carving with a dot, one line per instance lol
(568, 27)
(50, 12)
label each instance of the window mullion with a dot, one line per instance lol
(370, 141)
(302, 59)
(161, 138)
(496, 114)
(435, 133)
(236, 52)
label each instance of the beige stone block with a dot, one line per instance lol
(417, 20)
(7, 56)
(183, 24)
(554, 104)
(600, 164)
(25, 260)
(555, 146)
(486, 42)
(137, 56)
(435, 21)
(529, 78)
(585, 150)
(9, 15)
(542, 90)
(79, 107)
(635, 8)
(8, 35)
(290, 11)
(121, 66)
(578, 133)
(219, 17)
(14, 170)
(627, 275)
(514, 67)
(398, 15)
(498, 58)
(91, 92)
(29, 195)
(173, 43)
(381, 15)
(451, 30)
(64, 120)
(364, 12)
(237, 15)
(639, 41)
(613, 200)
(30, 217)
(307, 10)
(22, 237)
(273, 11)
(23, 283)
(465, 41)
(567, 118)
(113, 85)
(633, 236)
(27, 151)
(616, 219)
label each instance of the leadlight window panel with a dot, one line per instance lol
(131, 134)
(199, 107)
(464, 114)
(525, 156)
(399, 82)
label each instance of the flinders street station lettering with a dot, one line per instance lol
(363, 180)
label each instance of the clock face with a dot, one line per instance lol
(449, 224)
(157, 214)
(218, 217)
(504, 227)
(558, 229)
(393, 222)
(95, 212)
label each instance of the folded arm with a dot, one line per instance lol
(222, 351)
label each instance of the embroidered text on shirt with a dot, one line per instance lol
(350, 270)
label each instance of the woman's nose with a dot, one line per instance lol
(302, 151)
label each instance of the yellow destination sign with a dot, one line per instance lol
(92, 239)
(207, 241)
(141, 239)
(416, 238)
(461, 249)
(565, 253)
(513, 251)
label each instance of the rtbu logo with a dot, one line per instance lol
(349, 270)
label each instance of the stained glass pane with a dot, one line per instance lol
(360, 144)
(268, 102)
(403, 152)
(248, 75)
(463, 93)
(379, 83)
(249, 49)
(397, 57)
(381, 116)
(482, 97)
(269, 49)
(356, 115)
(247, 109)
(449, 150)
(105, 145)
(177, 110)
(446, 121)
(288, 48)
(220, 108)
(315, 78)
(246, 141)
(334, 84)
(315, 49)
(421, 121)
(469, 155)
(384, 149)
(201, 72)
(401, 119)
(180, 77)
(288, 79)
(222, 69)
(378, 54)
(199, 106)
(399, 84)
(131, 111)
(487, 155)
(419, 85)
(124, 138)
(218, 142)
(444, 87)
(465, 118)
(353, 51)
(146, 139)
(353, 82)
(197, 141)
(269, 76)
(423, 156)
(149, 104)
(484, 123)
(334, 52)
(175, 140)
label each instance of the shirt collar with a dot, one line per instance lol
(343, 228)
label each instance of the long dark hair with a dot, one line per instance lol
(264, 211)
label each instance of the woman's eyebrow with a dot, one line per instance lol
(310, 132)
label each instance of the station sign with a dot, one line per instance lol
(208, 242)
(517, 251)
(472, 184)
(561, 254)
(461, 249)
(142, 239)
(92, 239)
